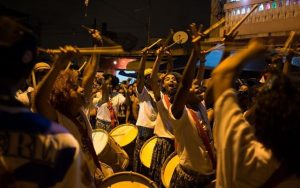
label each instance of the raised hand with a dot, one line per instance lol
(67, 53)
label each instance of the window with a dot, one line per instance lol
(280, 3)
(274, 4)
(243, 11)
(268, 6)
(233, 12)
(261, 7)
(248, 9)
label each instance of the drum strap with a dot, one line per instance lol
(113, 118)
(204, 135)
(85, 136)
(168, 103)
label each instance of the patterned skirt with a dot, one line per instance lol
(186, 178)
(144, 134)
(100, 124)
(163, 148)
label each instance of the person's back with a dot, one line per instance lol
(37, 152)
(34, 152)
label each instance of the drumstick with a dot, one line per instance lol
(118, 134)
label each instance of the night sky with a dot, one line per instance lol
(58, 22)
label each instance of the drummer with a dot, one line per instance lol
(69, 98)
(189, 116)
(108, 106)
(163, 127)
(146, 115)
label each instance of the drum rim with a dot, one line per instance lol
(147, 141)
(164, 167)
(119, 174)
(122, 125)
(99, 130)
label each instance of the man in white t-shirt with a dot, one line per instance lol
(146, 115)
(192, 132)
(164, 94)
(108, 107)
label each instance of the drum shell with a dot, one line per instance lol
(112, 154)
(130, 131)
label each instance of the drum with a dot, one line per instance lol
(147, 151)
(168, 168)
(109, 151)
(125, 135)
(128, 180)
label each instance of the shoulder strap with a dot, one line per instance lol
(84, 135)
(205, 138)
(113, 117)
(167, 101)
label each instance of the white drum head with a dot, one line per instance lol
(100, 139)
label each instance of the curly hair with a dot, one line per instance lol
(60, 96)
(277, 119)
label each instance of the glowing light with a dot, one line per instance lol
(115, 62)
(248, 9)
(243, 11)
(274, 4)
(261, 7)
(268, 6)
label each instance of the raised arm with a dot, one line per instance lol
(140, 75)
(42, 92)
(154, 75)
(91, 67)
(223, 74)
(105, 91)
(287, 63)
(187, 78)
(89, 75)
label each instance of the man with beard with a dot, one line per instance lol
(194, 144)
(164, 95)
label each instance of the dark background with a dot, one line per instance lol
(130, 22)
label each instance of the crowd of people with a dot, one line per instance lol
(227, 131)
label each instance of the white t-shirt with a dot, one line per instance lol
(96, 98)
(190, 148)
(147, 114)
(164, 125)
(103, 111)
(242, 161)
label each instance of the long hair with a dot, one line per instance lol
(60, 96)
(277, 119)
